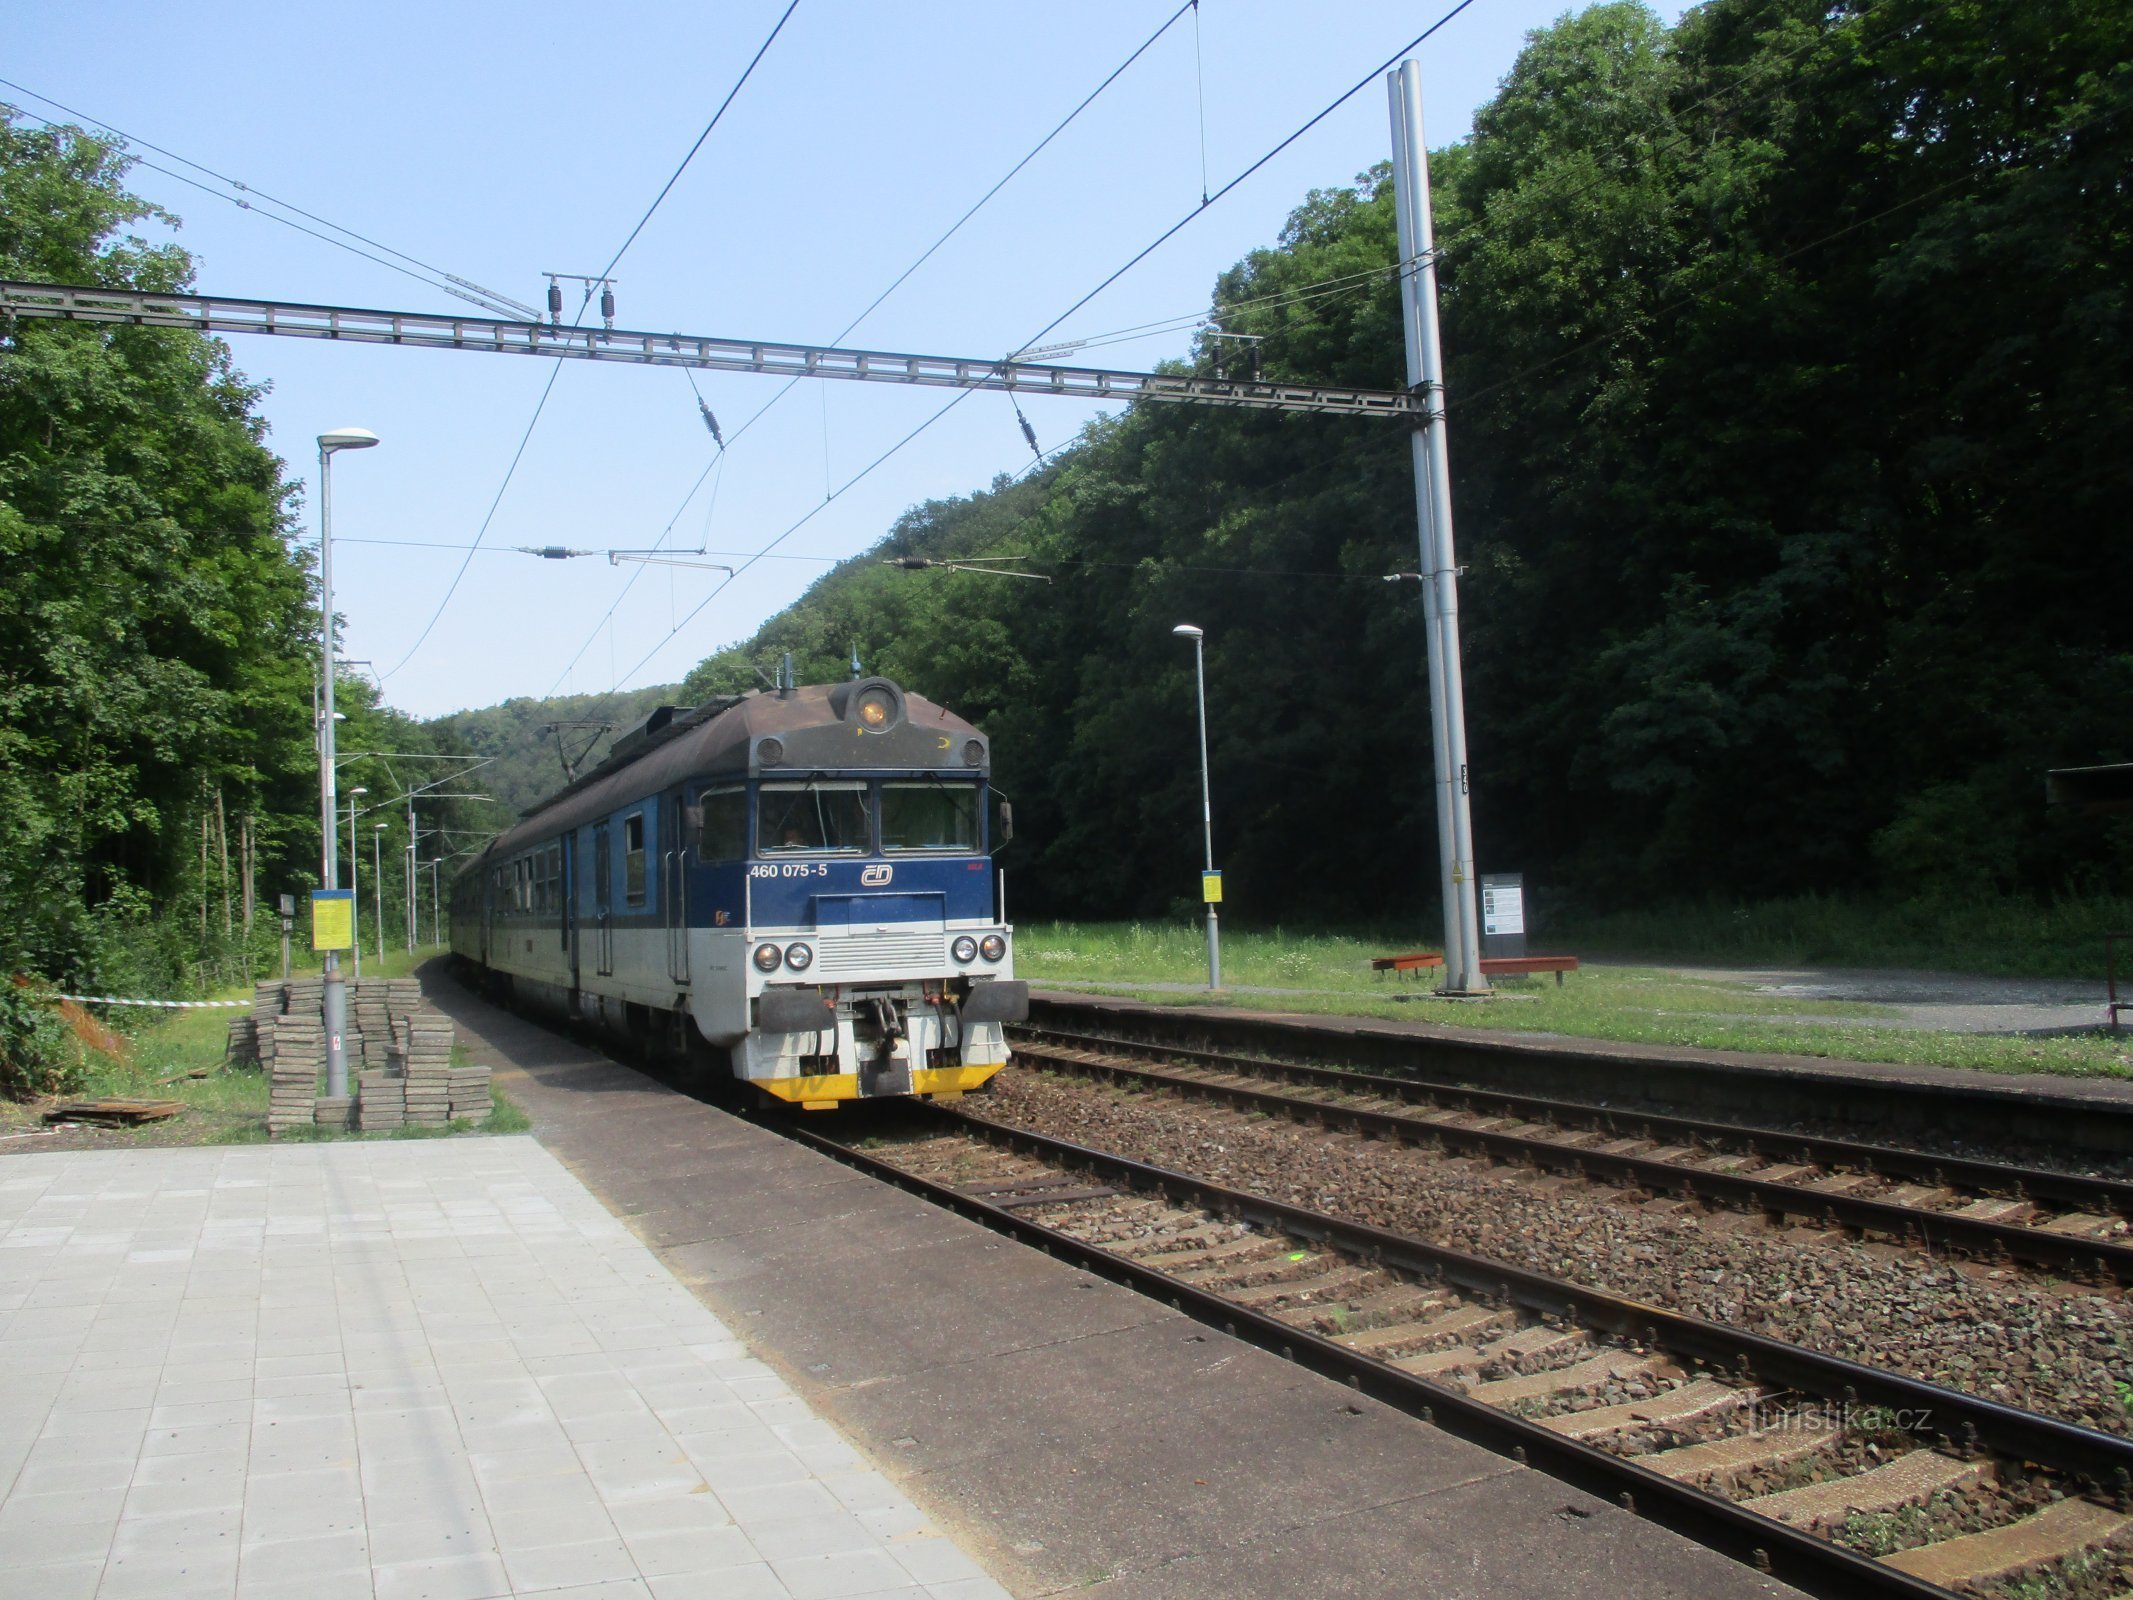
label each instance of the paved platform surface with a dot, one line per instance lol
(1075, 1437)
(421, 1370)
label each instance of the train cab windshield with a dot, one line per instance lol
(827, 816)
(929, 816)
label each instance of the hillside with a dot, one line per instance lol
(529, 745)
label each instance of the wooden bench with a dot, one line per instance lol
(1491, 966)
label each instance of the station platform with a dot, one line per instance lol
(1070, 1435)
(422, 1370)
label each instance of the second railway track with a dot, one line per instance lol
(1838, 1477)
(2061, 1222)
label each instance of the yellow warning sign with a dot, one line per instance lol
(1211, 888)
(333, 919)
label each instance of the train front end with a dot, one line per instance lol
(862, 953)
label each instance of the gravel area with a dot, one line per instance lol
(2009, 1335)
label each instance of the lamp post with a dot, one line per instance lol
(1186, 630)
(377, 886)
(355, 906)
(334, 998)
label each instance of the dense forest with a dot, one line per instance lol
(1789, 396)
(158, 628)
(1791, 378)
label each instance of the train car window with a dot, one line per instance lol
(633, 859)
(555, 877)
(929, 816)
(830, 815)
(724, 833)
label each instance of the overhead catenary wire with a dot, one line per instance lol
(549, 388)
(876, 303)
(466, 288)
(962, 395)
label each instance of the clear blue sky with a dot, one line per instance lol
(499, 142)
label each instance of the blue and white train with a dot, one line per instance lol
(796, 886)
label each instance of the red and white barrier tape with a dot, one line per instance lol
(115, 1000)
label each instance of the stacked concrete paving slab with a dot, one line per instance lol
(425, 1058)
(399, 1049)
(294, 1051)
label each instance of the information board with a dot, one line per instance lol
(1211, 888)
(1503, 914)
(333, 919)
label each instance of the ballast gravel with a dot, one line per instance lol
(2006, 1334)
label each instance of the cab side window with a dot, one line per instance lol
(724, 836)
(633, 859)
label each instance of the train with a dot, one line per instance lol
(792, 890)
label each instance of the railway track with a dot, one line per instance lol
(2060, 1222)
(1827, 1474)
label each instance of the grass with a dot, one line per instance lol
(179, 1056)
(1329, 974)
(2062, 938)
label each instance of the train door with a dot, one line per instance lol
(569, 892)
(675, 893)
(603, 903)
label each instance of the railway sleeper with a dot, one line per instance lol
(1700, 1400)
(2058, 1533)
(1911, 1479)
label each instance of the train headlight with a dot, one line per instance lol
(877, 709)
(965, 950)
(799, 957)
(973, 752)
(992, 947)
(767, 957)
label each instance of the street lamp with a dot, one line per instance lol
(377, 887)
(1186, 630)
(335, 994)
(355, 904)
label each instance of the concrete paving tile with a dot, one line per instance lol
(435, 1538)
(722, 1583)
(34, 1542)
(222, 1371)
(73, 1580)
(302, 1385)
(61, 1477)
(285, 1560)
(619, 1589)
(219, 1438)
(575, 1521)
(830, 1533)
(66, 1423)
(749, 1469)
(352, 1584)
(453, 1578)
(968, 1589)
(834, 1577)
(196, 1495)
(525, 1466)
(99, 1505)
(934, 1560)
(208, 1414)
(557, 1566)
(208, 1532)
(779, 1503)
(617, 1427)
(675, 1513)
(677, 1550)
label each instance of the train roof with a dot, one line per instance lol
(869, 724)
